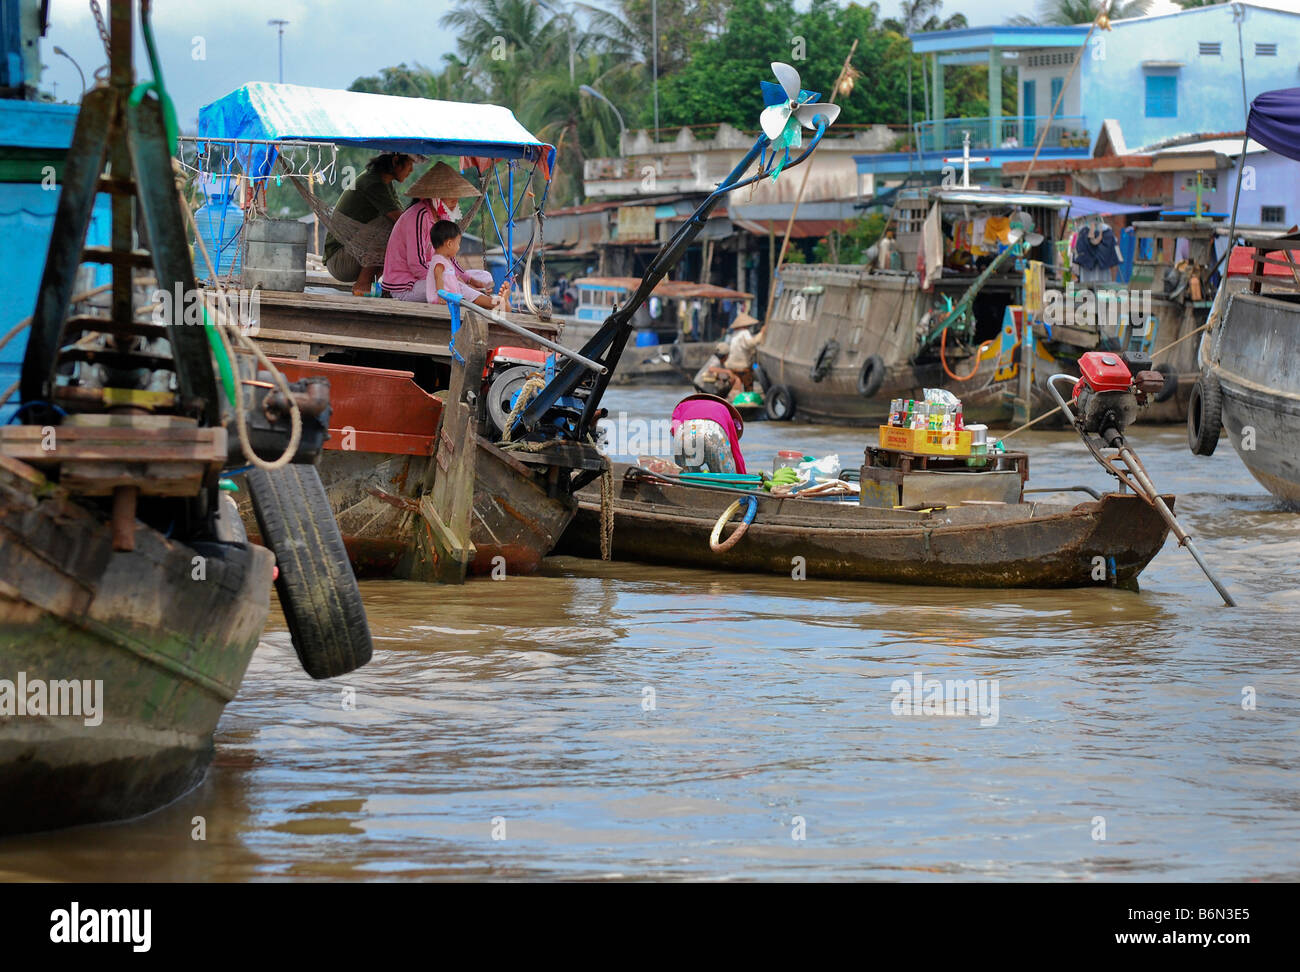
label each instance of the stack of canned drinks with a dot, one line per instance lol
(939, 412)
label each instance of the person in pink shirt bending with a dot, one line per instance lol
(706, 434)
(446, 274)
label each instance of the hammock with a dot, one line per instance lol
(365, 242)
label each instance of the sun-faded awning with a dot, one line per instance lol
(268, 112)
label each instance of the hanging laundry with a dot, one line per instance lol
(1095, 249)
(998, 230)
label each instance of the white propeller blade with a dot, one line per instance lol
(789, 79)
(773, 120)
(806, 113)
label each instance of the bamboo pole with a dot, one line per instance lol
(794, 210)
(1060, 95)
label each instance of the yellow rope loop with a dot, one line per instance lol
(607, 511)
(526, 394)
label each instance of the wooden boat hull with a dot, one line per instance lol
(168, 636)
(869, 313)
(1258, 367)
(383, 431)
(1018, 545)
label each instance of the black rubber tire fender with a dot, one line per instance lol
(1170, 387)
(760, 377)
(871, 376)
(1204, 415)
(779, 403)
(318, 591)
(675, 354)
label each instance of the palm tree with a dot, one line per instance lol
(580, 127)
(1063, 13)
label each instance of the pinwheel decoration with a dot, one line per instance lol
(790, 109)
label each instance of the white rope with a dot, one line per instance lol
(225, 329)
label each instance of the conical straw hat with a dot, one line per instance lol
(441, 182)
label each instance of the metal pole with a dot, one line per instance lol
(1184, 539)
(523, 332)
(654, 58)
(279, 25)
(774, 266)
(1078, 56)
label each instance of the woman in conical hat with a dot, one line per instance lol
(410, 248)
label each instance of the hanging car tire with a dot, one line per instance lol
(675, 354)
(318, 591)
(760, 378)
(1170, 387)
(872, 376)
(825, 359)
(779, 402)
(1204, 415)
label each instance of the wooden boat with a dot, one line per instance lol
(412, 470)
(1025, 544)
(130, 599)
(435, 489)
(1251, 356)
(844, 341)
(1252, 378)
(166, 652)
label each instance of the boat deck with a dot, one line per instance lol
(305, 326)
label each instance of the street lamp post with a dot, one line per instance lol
(280, 25)
(62, 53)
(622, 129)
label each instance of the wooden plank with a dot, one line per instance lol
(459, 550)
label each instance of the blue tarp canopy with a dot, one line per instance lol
(1275, 121)
(1087, 206)
(385, 123)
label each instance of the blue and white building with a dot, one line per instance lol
(1150, 78)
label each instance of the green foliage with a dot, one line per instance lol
(534, 58)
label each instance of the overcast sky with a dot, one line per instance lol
(327, 43)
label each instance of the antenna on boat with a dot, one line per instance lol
(966, 159)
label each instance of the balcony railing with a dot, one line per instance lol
(1009, 131)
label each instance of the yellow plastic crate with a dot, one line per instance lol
(925, 442)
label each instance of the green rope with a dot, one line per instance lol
(157, 85)
(224, 365)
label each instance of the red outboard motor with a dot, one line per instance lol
(1111, 388)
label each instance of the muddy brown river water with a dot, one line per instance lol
(622, 721)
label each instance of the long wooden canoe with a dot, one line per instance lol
(1104, 542)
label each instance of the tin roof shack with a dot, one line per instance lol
(641, 197)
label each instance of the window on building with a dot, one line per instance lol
(1272, 214)
(1051, 185)
(1209, 181)
(1057, 84)
(1266, 50)
(1210, 48)
(1162, 96)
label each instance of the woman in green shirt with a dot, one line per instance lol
(372, 198)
